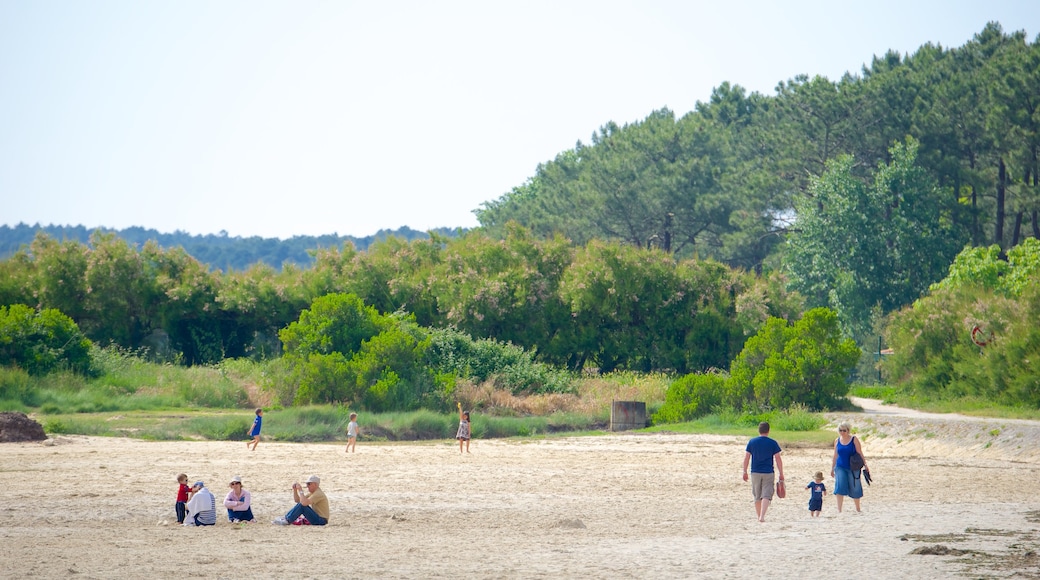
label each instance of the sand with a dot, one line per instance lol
(962, 491)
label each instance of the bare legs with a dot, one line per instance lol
(841, 498)
(760, 509)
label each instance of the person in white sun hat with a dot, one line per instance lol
(312, 505)
(238, 502)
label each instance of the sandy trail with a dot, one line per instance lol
(616, 506)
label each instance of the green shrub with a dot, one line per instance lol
(41, 342)
(454, 353)
(692, 396)
(806, 363)
(55, 426)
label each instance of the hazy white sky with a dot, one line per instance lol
(283, 118)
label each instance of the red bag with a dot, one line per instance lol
(781, 491)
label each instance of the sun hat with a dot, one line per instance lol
(818, 476)
(313, 479)
(236, 479)
(199, 484)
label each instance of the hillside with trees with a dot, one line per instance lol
(861, 189)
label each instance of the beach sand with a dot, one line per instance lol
(964, 492)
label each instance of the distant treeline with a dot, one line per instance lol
(220, 252)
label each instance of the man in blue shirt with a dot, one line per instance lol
(760, 453)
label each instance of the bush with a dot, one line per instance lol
(692, 396)
(452, 352)
(806, 363)
(936, 359)
(41, 342)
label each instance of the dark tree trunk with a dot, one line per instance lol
(975, 233)
(998, 233)
(1017, 231)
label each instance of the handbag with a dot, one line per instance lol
(781, 491)
(855, 460)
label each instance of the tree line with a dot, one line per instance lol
(945, 138)
(221, 251)
(606, 305)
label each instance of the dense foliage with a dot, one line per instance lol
(606, 305)
(895, 235)
(660, 246)
(802, 364)
(343, 351)
(975, 334)
(741, 173)
(41, 342)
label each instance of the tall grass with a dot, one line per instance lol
(123, 382)
(133, 397)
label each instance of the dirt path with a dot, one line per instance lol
(877, 407)
(893, 431)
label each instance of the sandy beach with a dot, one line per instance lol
(952, 497)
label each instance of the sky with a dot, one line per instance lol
(286, 118)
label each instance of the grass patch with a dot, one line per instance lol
(306, 424)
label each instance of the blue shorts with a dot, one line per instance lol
(816, 505)
(845, 483)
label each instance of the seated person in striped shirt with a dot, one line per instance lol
(202, 507)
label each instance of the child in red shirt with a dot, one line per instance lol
(182, 497)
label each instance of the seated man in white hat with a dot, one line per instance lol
(202, 507)
(313, 505)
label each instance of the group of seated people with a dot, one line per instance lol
(312, 506)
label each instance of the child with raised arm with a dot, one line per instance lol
(254, 431)
(817, 490)
(352, 433)
(464, 430)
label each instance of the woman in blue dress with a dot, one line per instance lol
(846, 481)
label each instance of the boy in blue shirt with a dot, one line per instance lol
(254, 431)
(817, 490)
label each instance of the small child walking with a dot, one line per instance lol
(182, 497)
(817, 490)
(352, 433)
(254, 431)
(464, 430)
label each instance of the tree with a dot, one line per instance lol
(186, 308)
(894, 238)
(507, 290)
(119, 293)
